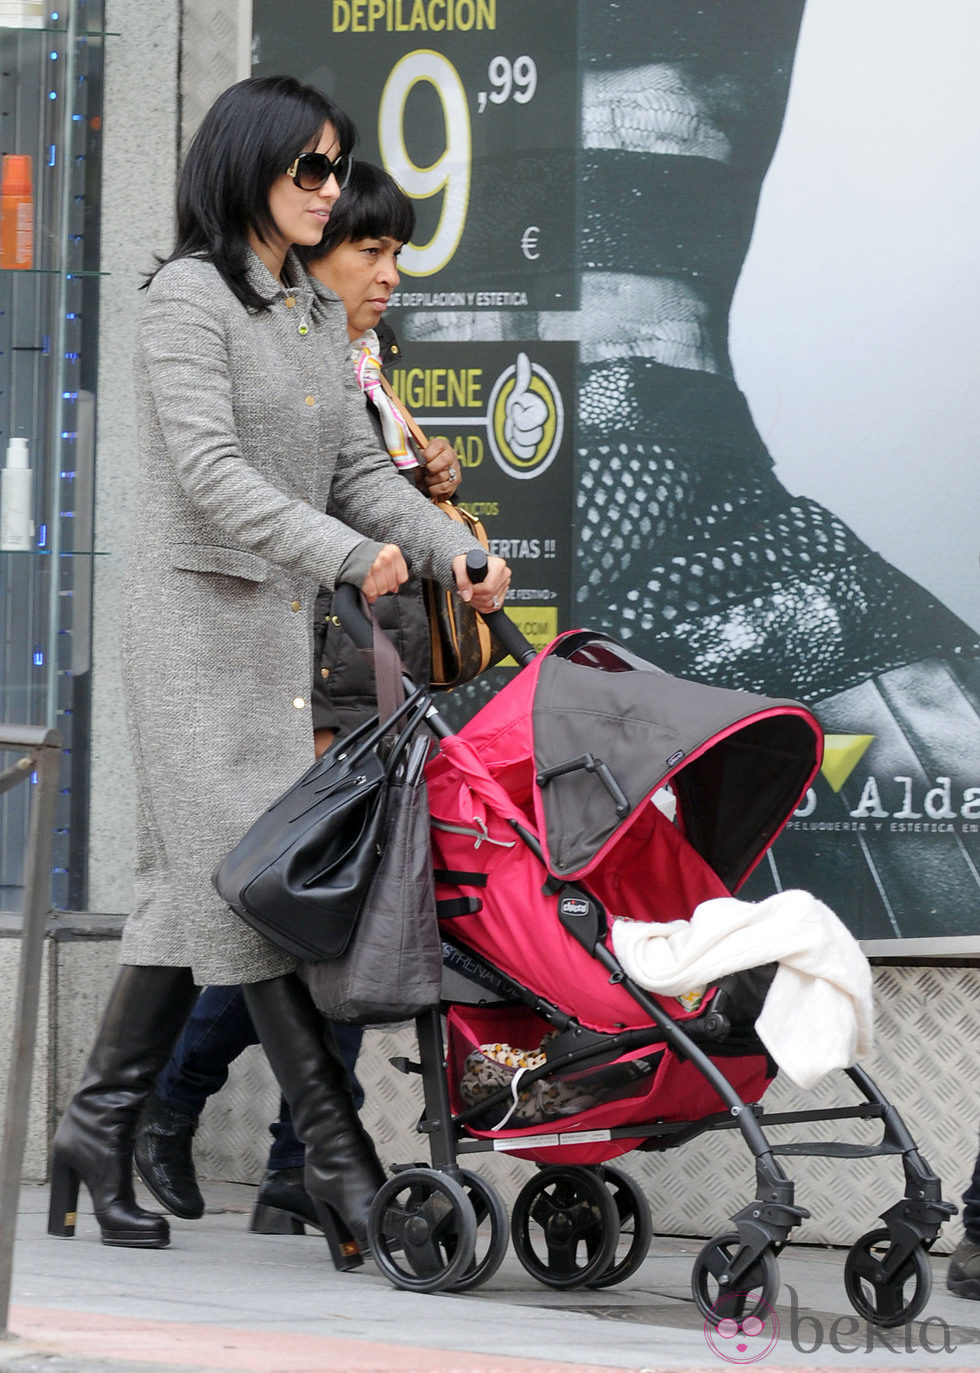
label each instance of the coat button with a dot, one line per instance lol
(299, 702)
(290, 302)
(294, 605)
(324, 672)
(311, 400)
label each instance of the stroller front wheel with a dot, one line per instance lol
(882, 1290)
(751, 1296)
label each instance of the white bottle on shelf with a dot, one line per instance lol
(21, 14)
(16, 500)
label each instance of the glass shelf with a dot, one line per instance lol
(61, 32)
(50, 272)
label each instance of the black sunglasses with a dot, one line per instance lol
(310, 171)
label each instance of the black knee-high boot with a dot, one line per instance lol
(94, 1143)
(342, 1170)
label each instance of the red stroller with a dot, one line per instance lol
(596, 785)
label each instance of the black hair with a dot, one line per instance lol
(371, 205)
(250, 135)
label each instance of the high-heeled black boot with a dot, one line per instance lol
(283, 1205)
(342, 1171)
(94, 1142)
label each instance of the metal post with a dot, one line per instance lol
(41, 749)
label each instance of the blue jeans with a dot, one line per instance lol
(971, 1205)
(218, 1029)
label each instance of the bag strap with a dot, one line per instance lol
(388, 672)
(399, 714)
(405, 413)
(454, 512)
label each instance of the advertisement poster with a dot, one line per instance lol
(661, 222)
(469, 104)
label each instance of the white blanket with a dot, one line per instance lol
(818, 1014)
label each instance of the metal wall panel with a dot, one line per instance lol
(215, 38)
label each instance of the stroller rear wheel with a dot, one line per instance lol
(422, 1230)
(635, 1224)
(751, 1295)
(565, 1227)
(492, 1232)
(879, 1291)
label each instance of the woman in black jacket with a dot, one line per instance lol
(358, 259)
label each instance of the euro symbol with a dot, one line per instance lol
(529, 243)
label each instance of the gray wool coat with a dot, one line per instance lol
(246, 429)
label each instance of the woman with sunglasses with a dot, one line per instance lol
(357, 258)
(250, 423)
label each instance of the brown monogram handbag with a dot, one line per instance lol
(461, 644)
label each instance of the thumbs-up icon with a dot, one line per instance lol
(526, 413)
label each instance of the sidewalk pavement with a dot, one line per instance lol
(221, 1298)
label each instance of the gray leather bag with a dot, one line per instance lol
(392, 968)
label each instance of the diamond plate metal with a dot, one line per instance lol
(215, 41)
(927, 1062)
(232, 1142)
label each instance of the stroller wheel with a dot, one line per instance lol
(635, 1225)
(752, 1294)
(422, 1230)
(492, 1232)
(565, 1226)
(879, 1290)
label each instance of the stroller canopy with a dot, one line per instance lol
(610, 730)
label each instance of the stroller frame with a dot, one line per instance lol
(424, 1220)
(880, 1264)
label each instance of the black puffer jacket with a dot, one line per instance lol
(343, 678)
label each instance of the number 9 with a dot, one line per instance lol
(450, 173)
(526, 77)
(501, 78)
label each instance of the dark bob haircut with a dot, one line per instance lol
(371, 205)
(251, 134)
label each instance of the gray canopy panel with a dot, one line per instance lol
(610, 729)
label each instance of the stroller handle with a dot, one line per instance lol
(347, 608)
(499, 623)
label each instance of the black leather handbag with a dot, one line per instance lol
(301, 873)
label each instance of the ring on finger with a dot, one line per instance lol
(451, 474)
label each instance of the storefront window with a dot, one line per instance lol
(50, 135)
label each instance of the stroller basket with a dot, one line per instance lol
(592, 1095)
